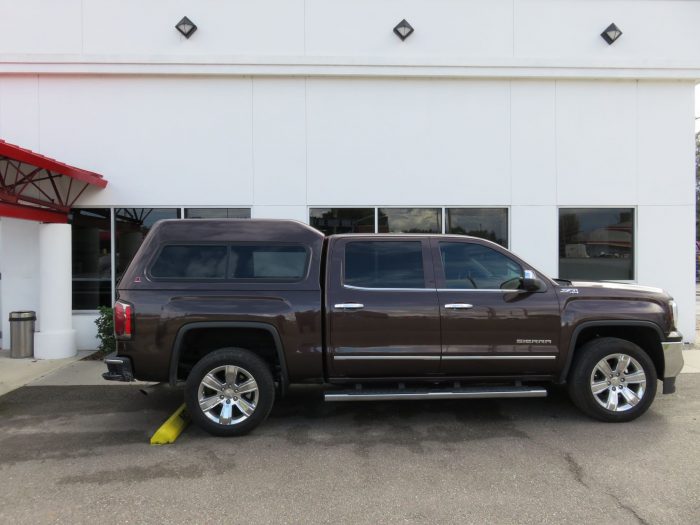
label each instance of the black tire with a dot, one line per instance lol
(581, 377)
(263, 398)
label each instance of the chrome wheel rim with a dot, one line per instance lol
(228, 395)
(618, 382)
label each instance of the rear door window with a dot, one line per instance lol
(384, 264)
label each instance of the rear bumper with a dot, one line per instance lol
(673, 361)
(118, 368)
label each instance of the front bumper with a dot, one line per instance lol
(673, 360)
(118, 368)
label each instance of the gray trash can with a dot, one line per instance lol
(22, 334)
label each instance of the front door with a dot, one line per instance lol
(382, 308)
(489, 325)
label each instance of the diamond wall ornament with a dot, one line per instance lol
(403, 29)
(611, 33)
(186, 26)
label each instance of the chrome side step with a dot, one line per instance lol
(480, 392)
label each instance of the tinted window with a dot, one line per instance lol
(217, 213)
(190, 262)
(596, 243)
(384, 264)
(410, 220)
(486, 223)
(342, 220)
(268, 262)
(92, 258)
(475, 266)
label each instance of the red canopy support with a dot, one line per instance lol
(39, 188)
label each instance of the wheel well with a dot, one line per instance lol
(199, 342)
(644, 337)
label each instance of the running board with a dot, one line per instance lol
(482, 392)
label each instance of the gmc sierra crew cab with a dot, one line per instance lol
(240, 309)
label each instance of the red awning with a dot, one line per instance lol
(39, 188)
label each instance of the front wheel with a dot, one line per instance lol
(229, 392)
(612, 380)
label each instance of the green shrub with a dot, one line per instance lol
(105, 330)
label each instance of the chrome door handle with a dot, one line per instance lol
(349, 306)
(458, 306)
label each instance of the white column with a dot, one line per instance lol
(56, 339)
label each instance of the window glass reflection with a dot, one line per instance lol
(596, 243)
(217, 213)
(410, 220)
(91, 258)
(132, 225)
(485, 223)
(332, 221)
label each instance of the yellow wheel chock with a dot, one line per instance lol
(172, 428)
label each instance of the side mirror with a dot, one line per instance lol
(531, 283)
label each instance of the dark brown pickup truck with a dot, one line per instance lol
(241, 309)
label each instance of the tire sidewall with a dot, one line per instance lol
(238, 357)
(588, 357)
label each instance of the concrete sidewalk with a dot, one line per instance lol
(15, 373)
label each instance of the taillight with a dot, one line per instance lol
(123, 320)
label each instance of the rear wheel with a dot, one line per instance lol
(612, 380)
(229, 392)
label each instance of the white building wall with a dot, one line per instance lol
(282, 105)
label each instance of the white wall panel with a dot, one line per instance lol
(443, 28)
(19, 110)
(159, 141)
(19, 264)
(420, 142)
(666, 256)
(234, 27)
(279, 141)
(533, 144)
(85, 331)
(596, 142)
(41, 26)
(534, 236)
(666, 143)
(571, 30)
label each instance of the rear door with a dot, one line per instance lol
(489, 325)
(382, 307)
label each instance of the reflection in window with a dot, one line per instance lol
(410, 220)
(191, 262)
(132, 225)
(485, 223)
(392, 264)
(268, 262)
(596, 243)
(469, 265)
(342, 220)
(92, 260)
(217, 213)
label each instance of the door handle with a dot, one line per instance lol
(349, 306)
(458, 306)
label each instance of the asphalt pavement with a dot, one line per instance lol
(78, 454)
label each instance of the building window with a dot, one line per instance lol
(92, 258)
(132, 225)
(217, 213)
(486, 223)
(410, 220)
(596, 243)
(342, 220)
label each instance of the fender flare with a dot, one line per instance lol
(589, 324)
(177, 345)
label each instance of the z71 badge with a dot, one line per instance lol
(569, 290)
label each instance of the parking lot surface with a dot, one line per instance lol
(80, 453)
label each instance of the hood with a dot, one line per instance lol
(615, 286)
